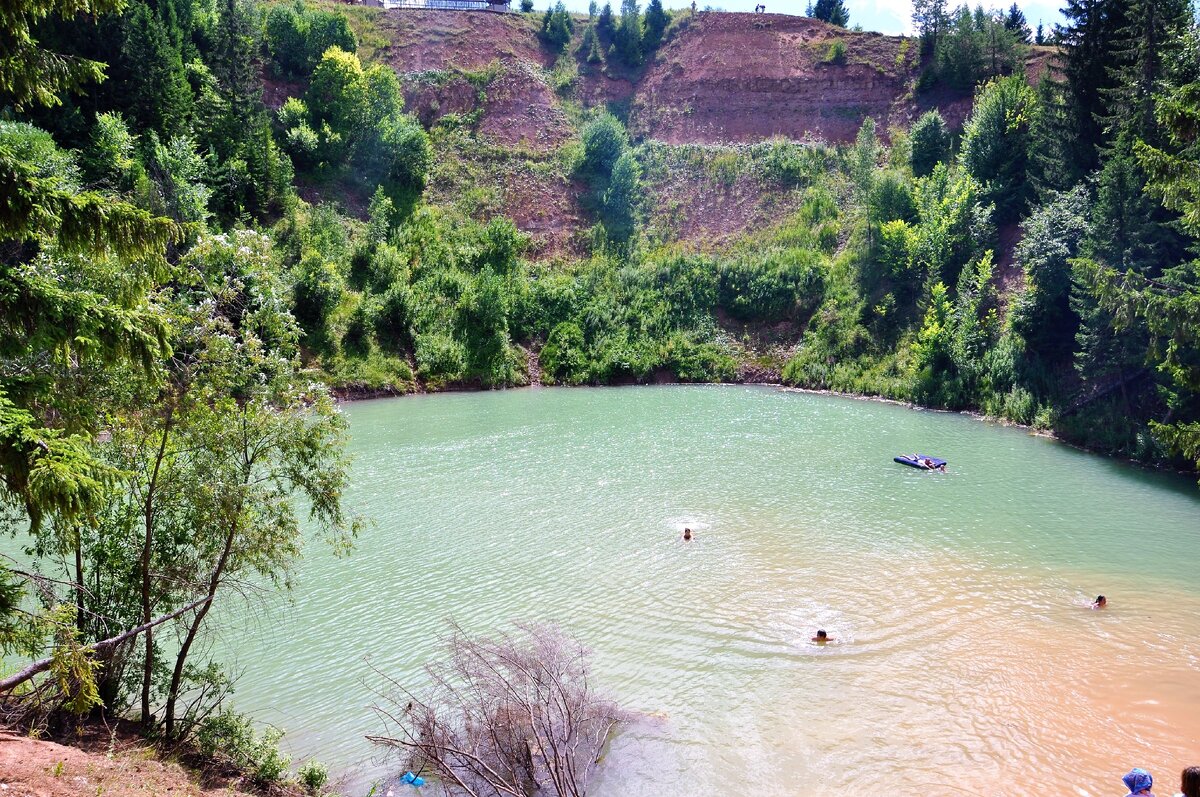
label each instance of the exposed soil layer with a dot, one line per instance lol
(719, 78)
(747, 77)
(470, 40)
(521, 110)
(120, 768)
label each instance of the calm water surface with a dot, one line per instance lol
(966, 657)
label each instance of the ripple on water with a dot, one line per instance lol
(965, 654)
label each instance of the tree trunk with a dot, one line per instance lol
(13, 681)
(147, 548)
(177, 675)
(79, 581)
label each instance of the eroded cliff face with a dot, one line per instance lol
(719, 78)
(748, 77)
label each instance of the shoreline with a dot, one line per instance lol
(351, 395)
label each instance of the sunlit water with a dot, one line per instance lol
(966, 661)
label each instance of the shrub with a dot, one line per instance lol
(563, 358)
(229, 736)
(393, 319)
(930, 143)
(836, 53)
(313, 775)
(303, 145)
(440, 358)
(771, 287)
(406, 150)
(604, 141)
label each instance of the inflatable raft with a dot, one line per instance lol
(919, 461)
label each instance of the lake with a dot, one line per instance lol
(965, 661)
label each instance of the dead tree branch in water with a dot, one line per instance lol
(512, 716)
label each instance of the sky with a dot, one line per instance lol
(886, 16)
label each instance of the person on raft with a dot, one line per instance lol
(1100, 602)
(687, 535)
(821, 638)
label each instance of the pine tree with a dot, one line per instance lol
(1052, 167)
(1088, 41)
(157, 90)
(1039, 38)
(234, 63)
(605, 24)
(1014, 22)
(832, 11)
(1154, 31)
(930, 19)
(656, 24)
(628, 38)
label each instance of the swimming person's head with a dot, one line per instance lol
(1100, 602)
(1189, 783)
(1138, 780)
(687, 534)
(822, 635)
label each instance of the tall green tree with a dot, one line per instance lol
(656, 22)
(930, 142)
(832, 11)
(1014, 21)
(1088, 41)
(930, 18)
(158, 95)
(995, 146)
(629, 34)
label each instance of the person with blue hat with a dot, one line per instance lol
(1139, 782)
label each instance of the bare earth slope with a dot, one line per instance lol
(32, 768)
(502, 108)
(746, 77)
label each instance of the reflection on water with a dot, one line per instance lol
(966, 655)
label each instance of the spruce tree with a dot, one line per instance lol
(657, 20)
(605, 24)
(628, 39)
(157, 93)
(1052, 167)
(1144, 50)
(930, 143)
(1088, 41)
(1014, 22)
(832, 11)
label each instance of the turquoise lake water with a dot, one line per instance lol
(966, 657)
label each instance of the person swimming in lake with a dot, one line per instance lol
(687, 535)
(1100, 602)
(1139, 783)
(821, 638)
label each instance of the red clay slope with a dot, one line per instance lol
(748, 77)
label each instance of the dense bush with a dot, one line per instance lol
(230, 737)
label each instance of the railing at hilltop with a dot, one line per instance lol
(449, 5)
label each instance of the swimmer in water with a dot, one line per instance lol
(821, 638)
(687, 535)
(1100, 602)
